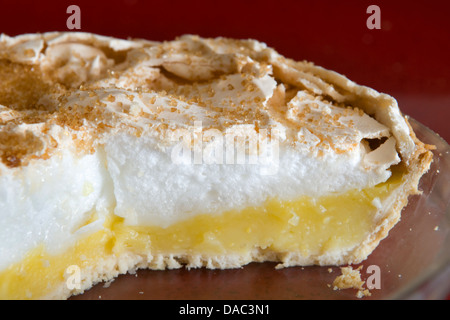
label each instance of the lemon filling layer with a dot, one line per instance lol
(306, 225)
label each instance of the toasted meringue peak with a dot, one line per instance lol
(93, 86)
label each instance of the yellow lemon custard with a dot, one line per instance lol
(125, 154)
(311, 227)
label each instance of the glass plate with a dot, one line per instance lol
(413, 261)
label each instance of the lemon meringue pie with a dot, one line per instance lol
(125, 154)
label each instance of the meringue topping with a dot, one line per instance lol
(92, 87)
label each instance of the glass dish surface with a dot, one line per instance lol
(414, 260)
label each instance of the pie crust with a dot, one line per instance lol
(48, 81)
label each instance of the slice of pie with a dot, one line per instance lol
(126, 154)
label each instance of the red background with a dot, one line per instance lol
(408, 58)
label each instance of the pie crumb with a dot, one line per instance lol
(363, 293)
(351, 279)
